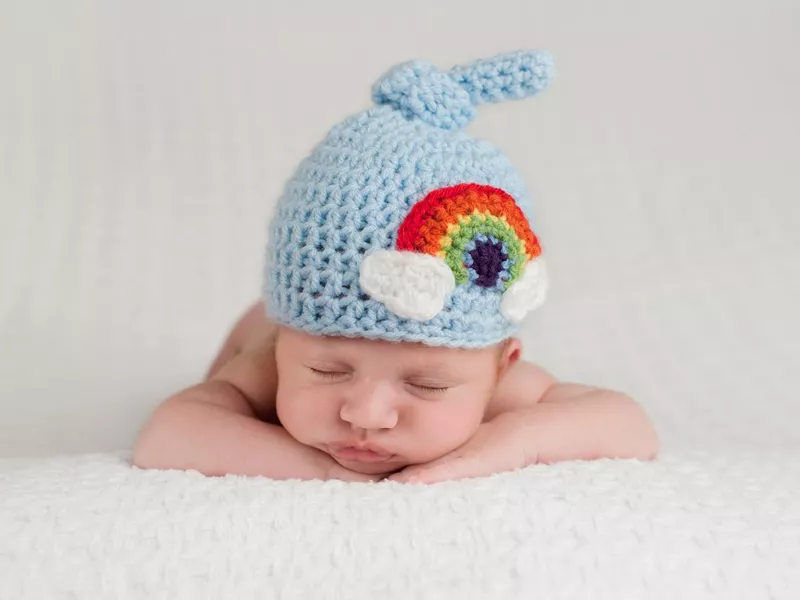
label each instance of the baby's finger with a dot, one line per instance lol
(448, 470)
(416, 473)
(339, 472)
(405, 475)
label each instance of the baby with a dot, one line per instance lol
(400, 264)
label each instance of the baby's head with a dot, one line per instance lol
(401, 259)
(377, 406)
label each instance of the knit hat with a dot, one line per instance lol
(400, 226)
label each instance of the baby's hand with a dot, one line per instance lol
(336, 471)
(502, 444)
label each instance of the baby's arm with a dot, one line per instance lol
(219, 428)
(534, 419)
(568, 421)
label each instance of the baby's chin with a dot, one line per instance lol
(381, 468)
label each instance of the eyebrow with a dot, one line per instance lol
(327, 362)
(439, 370)
(433, 370)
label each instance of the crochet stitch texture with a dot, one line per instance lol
(400, 226)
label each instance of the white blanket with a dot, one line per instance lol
(141, 151)
(683, 527)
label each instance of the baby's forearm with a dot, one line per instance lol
(572, 422)
(211, 428)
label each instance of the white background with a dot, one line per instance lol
(143, 146)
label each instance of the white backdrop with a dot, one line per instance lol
(143, 145)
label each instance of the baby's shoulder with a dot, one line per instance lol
(247, 360)
(523, 385)
(254, 330)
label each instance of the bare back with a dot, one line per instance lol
(252, 332)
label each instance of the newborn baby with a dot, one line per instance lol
(400, 265)
(286, 404)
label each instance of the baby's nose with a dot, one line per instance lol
(370, 409)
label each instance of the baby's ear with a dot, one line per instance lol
(510, 354)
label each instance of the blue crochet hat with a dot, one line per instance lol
(400, 226)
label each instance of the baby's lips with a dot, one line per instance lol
(410, 284)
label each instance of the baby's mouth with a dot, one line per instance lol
(359, 453)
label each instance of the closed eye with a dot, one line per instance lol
(327, 374)
(429, 389)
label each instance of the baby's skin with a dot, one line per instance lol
(284, 404)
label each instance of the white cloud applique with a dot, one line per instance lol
(410, 284)
(527, 293)
(416, 286)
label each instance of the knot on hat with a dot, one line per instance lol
(419, 90)
(447, 99)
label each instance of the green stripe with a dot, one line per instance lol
(492, 226)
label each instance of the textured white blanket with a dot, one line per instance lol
(141, 151)
(683, 527)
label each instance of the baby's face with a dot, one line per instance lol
(379, 406)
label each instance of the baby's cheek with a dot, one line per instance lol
(447, 428)
(300, 415)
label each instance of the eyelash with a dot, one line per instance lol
(327, 374)
(337, 374)
(433, 390)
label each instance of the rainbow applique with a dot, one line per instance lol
(478, 230)
(467, 234)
